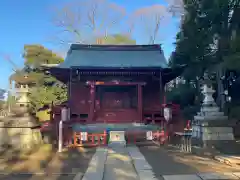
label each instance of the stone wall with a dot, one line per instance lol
(19, 138)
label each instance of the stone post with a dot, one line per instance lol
(60, 136)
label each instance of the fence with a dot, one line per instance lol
(84, 139)
(141, 138)
(87, 139)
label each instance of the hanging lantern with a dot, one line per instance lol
(167, 112)
(64, 114)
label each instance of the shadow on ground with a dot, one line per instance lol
(47, 164)
(172, 161)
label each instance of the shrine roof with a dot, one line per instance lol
(114, 56)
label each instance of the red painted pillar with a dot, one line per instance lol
(140, 104)
(105, 137)
(92, 102)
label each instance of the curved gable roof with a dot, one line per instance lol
(114, 56)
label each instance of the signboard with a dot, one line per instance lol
(116, 136)
(149, 135)
(84, 136)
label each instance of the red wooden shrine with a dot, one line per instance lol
(115, 83)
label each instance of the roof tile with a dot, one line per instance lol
(114, 56)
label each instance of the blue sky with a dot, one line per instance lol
(29, 22)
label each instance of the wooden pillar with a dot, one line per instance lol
(161, 92)
(161, 88)
(153, 118)
(92, 102)
(69, 84)
(69, 93)
(140, 104)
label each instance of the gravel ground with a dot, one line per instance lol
(61, 166)
(171, 161)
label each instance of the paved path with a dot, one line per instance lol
(130, 164)
(119, 165)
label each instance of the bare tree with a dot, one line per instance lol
(7, 58)
(149, 19)
(176, 7)
(83, 21)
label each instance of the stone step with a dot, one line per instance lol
(117, 144)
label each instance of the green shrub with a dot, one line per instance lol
(184, 95)
(190, 111)
(234, 112)
(43, 115)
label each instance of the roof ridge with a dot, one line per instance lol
(152, 47)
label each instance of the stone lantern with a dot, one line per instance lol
(210, 126)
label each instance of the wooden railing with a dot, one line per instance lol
(140, 137)
(92, 139)
(100, 139)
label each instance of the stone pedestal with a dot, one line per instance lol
(3, 137)
(20, 133)
(211, 133)
(210, 126)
